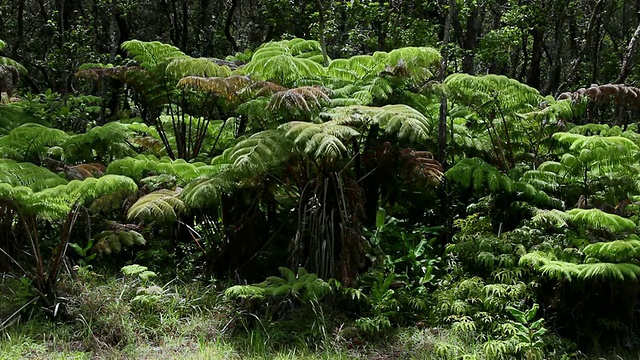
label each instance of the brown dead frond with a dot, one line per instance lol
(264, 88)
(421, 166)
(303, 98)
(227, 88)
(618, 94)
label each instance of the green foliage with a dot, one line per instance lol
(54, 203)
(30, 142)
(319, 141)
(143, 166)
(476, 173)
(27, 174)
(301, 286)
(597, 219)
(399, 120)
(113, 241)
(151, 54)
(287, 62)
(160, 206)
(492, 93)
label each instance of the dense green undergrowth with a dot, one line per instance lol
(309, 190)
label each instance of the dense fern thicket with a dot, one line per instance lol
(523, 236)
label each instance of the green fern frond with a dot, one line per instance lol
(244, 292)
(30, 140)
(319, 141)
(554, 218)
(417, 63)
(145, 165)
(355, 68)
(112, 241)
(548, 266)
(609, 271)
(162, 206)
(477, 173)
(259, 153)
(597, 219)
(27, 174)
(579, 142)
(490, 91)
(205, 192)
(401, 120)
(187, 66)
(150, 54)
(614, 251)
(10, 63)
(54, 203)
(283, 69)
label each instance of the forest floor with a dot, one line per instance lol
(110, 318)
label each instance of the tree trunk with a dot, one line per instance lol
(227, 26)
(533, 79)
(627, 62)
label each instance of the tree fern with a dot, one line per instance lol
(161, 206)
(146, 165)
(54, 203)
(226, 87)
(206, 192)
(549, 266)
(100, 143)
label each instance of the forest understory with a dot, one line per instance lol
(367, 180)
